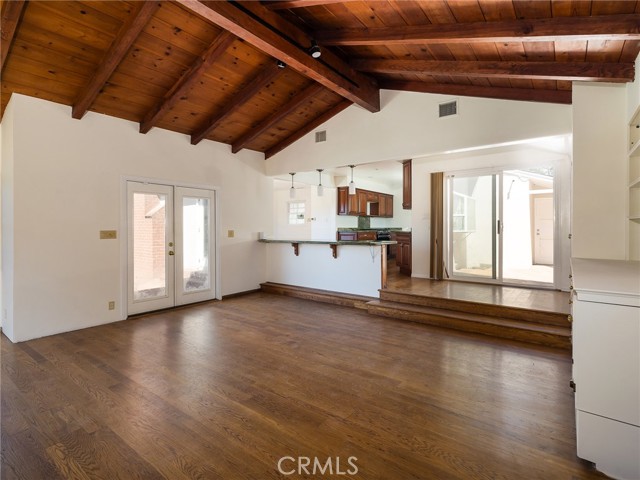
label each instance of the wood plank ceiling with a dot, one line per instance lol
(209, 69)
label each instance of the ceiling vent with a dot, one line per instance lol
(321, 136)
(448, 109)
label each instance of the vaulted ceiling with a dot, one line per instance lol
(212, 69)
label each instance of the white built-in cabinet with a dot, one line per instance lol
(606, 368)
(633, 211)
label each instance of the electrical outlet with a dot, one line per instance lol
(231, 233)
(112, 305)
(108, 234)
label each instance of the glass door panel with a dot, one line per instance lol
(150, 249)
(473, 220)
(194, 232)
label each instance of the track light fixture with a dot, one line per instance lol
(352, 185)
(292, 190)
(320, 187)
(314, 49)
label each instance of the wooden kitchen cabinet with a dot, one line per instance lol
(347, 236)
(364, 203)
(366, 236)
(406, 184)
(403, 252)
(347, 204)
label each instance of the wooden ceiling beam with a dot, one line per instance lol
(11, 15)
(246, 21)
(187, 80)
(266, 75)
(571, 71)
(601, 27)
(116, 53)
(523, 94)
(315, 123)
(289, 107)
(286, 4)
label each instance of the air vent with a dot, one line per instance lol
(449, 108)
(321, 136)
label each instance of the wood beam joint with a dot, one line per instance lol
(247, 21)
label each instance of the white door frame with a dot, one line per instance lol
(124, 232)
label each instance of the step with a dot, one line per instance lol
(502, 311)
(524, 331)
(325, 296)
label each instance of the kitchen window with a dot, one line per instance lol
(296, 213)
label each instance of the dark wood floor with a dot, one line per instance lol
(520, 297)
(224, 390)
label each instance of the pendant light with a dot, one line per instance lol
(292, 190)
(320, 187)
(352, 185)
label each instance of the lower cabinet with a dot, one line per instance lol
(403, 252)
(366, 236)
(606, 364)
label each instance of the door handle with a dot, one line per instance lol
(499, 227)
(171, 252)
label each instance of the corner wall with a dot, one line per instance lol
(599, 171)
(65, 187)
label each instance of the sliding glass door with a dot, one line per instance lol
(500, 226)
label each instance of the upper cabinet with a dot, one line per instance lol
(406, 184)
(364, 203)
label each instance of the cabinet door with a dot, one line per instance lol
(353, 203)
(406, 184)
(399, 258)
(606, 351)
(386, 208)
(362, 202)
(343, 201)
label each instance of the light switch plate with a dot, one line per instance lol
(231, 233)
(108, 234)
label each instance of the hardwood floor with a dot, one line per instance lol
(224, 390)
(520, 297)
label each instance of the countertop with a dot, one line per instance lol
(599, 278)
(329, 242)
(382, 229)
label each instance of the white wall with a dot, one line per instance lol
(599, 171)
(63, 183)
(357, 270)
(408, 126)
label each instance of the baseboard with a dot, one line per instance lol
(241, 294)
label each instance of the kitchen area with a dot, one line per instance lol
(363, 203)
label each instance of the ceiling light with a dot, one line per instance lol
(320, 187)
(352, 185)
(292, 190)
(281, 64)
(314, 49)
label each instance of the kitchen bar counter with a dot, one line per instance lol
(354, 267)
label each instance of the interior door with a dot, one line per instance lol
(543, 222)
(195, 258)
(473, 224)
(150, 247)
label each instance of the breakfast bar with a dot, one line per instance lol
(354, 267)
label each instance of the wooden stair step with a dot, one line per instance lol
(460, 305)
(526, 331)
(325, 296)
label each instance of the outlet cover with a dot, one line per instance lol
(108, 234)
(112, 305)
(231, 233)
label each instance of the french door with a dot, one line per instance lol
(501, 226)
(170, 250)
